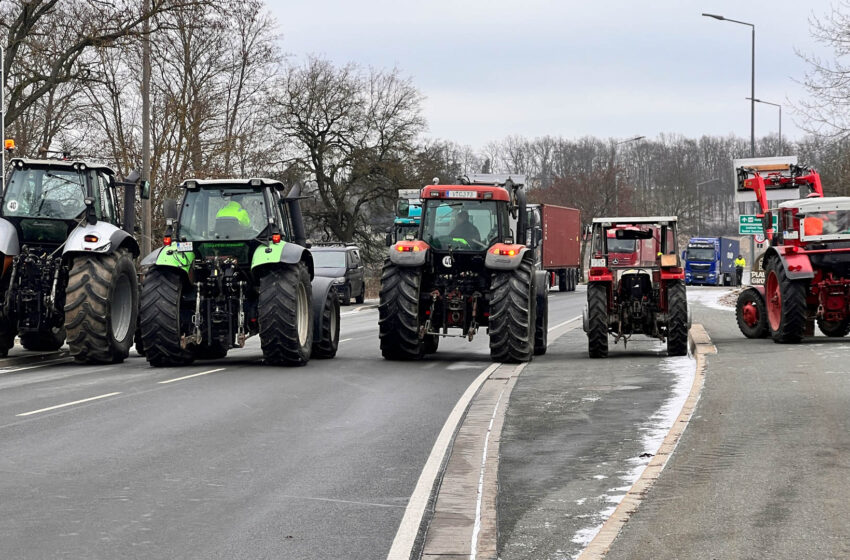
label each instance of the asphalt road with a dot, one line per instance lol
(238, 460)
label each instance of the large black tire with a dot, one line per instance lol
(835, 329)
(432, 343)
(563, 284)
(512, 316)
(541, 330)
(677, 319)
(101, 304)
(328, 343)
(137, 338)
(286, 320)
(7, 339)
(161, 321)
(786, 313)
(597, 320)
(751, 314)
(398, 313)
(44, 341)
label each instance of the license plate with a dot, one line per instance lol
(462, 194)
(184, 246)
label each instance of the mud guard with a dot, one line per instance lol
(108, 239)
(9, 244)
(503, 261)
(322, 290)
(797, 266)
(284, 252)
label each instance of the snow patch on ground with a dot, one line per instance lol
(710, 297)
(653, 431)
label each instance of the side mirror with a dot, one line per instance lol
(169, 209)
(145, 190)
(91, 216)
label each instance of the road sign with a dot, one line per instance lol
(759, 238)
(750, 224)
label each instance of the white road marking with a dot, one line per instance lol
(409, 527)
(68, 404)
(336, 501)
(42, 364)
(190, 376)
(344, 340)
(568, 321)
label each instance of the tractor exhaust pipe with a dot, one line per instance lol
(293, 202)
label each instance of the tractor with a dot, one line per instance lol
(646, 296)
(807, 262)
(234, 264)
(68, 272)
(470, 267)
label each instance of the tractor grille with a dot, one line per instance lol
(700, 266)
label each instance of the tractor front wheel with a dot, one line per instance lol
(512, 314)
(398, 313)
(328, 342)
(101, 304)
(751, 314)
(835, 329)
(677, 320)
(161, 321)
(597, 320)
(786, 305)
(286, 321)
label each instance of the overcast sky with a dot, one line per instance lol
(571, 68)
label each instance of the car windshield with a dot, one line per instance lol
(621, 245)
(700, 254)
(45, 193)
(211, 213)
(462, 225)
(329, 259)
(830, 223)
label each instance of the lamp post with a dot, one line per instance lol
(780, 120)
(752, 80)
(699, 204)
(614, 170)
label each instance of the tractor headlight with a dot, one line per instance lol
(340, 280)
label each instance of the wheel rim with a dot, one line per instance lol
(750, 314)
(302, 311)
(774, 301)
(122, 308)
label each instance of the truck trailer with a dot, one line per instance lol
(559, 252)
(711, 261)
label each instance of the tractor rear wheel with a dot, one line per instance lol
(512, 314)
(677, 320)
(541, 331)
(286, 321)
(101, 304)
(432, 343)
(161, 321)
(44, 341)
(835, 329)
(328, 342)
(786, 304)
(597, 320)
(751, 314)
(398, 313)
(7, 338)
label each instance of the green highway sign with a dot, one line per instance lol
(750, 224)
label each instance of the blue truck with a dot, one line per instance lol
(711, 261)
(408, 215)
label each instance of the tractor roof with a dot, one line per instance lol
(626, 221)
(61, 164)
(818, 204)
(460, 192)
(252, 182)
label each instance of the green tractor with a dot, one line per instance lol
(234, 265)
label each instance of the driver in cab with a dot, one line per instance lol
(464, 229)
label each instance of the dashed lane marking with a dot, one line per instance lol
(191, 376)
(49, 408)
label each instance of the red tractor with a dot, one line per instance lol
(470, 266)
(807, 264)
(644, 296)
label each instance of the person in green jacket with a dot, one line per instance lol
(740, 263)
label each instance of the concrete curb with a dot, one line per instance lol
(700, 346)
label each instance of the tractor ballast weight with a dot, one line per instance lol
(646, 296)
(807, 264)
(231, 268)
(469, 268)
(68, 255)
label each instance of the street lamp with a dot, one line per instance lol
(780, 119)
(699, 204)
(752, 81)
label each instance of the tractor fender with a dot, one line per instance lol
(322, 290)
(500, 261)
(283, 252)
(9, 244)
(169, 256)
(109, 239)
(797, 266)
(409, 253)
(151, 258)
